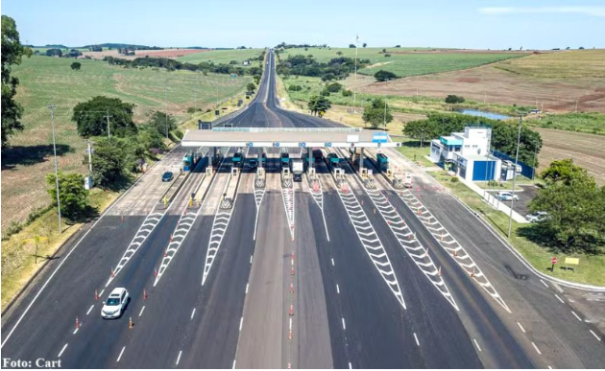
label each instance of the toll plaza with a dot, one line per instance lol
(286, 139)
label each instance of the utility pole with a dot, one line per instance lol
(512, 204)
(355, 78)
(385, 105)
(166, 107)
(52, 119)
(108, 126)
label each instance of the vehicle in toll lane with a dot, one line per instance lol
(167, 176)
(116, 303)
(298, 168)
(252, 161)
(237, 158)
(383, 162)
(333, 160)
(285, 159)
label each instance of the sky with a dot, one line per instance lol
(480, 24)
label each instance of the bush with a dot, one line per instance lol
(384, 75)
(324, 93)
(191, 110)
(493, 183)
(347, 93)
(454, 179)
(334, 87)
(453, 99)
(295, 88)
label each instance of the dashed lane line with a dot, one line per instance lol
(536, 348)
(142, 310)
(416, 338)
(193, 313)
(350, 366)
(121, 354)
(575, 315)
(344, 324)
(247, 286)
(178, 359)
(521, 327)
(62, 350)
(234, 363)
(90, 309)
(561, 300)
(544, 283)
(241, 324)
(477, 345)
(333, 262)
(595, 335)
(337, 289)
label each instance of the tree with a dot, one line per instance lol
(384, 75)
(318, 105)
(374, 114)
(162, 123)
(91, 117)
(453, 99)
(339, 53)
(347, 93)
(12, 51)
(352, 46)
(113, 158)
(251, 86)
(365, 44)
(54, 52)
(334, 87)
(575, 207)
(72, 194)
(398, 46)
(76, 66)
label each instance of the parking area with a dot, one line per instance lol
(525, 196)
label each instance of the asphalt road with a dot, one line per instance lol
(284, 292)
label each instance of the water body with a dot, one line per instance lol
(489, 115)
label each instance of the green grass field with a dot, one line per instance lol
(224, 56)
(45, 81)
(590, 122)
(404, 62)
(564, 64)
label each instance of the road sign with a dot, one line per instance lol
(572, 261)
(302, 144)
(275, 144)
(380, 138)
(250, 144)
(554, 260)
(328, 144)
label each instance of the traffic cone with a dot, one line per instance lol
(291, 288)
(144, 294)
(171, 238)
(130, 323)
(439, 272)
(473, 274)
(292, 271)
(291, 310)
(112, 273)
(155, 272)
(166, 253)
(389, 222)
(455, 253)
(96, 295)
(362, 202)
(77, 323)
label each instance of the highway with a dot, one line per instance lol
(293, 277)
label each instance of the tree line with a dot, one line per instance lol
(301, 65)
(504, 134)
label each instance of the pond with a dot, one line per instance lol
(489, 115)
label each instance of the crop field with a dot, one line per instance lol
(586, 150)
(565, 64)
(46, 80)
(165, 53)
(409, 62)
(224, 56)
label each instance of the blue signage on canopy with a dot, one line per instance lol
(250, 144)
(380, 138)
(328, 144)
(275, 144)
(302, 144)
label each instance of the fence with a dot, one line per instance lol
(526, 170)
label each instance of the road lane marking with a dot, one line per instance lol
(76, 330)
(337, 289)
(62, 350)
(90, 310)
(536, 347)
(101, 293)
(193, 313)
(544, 283)
(350, 366)
(522, 329)
(121, 353)
(290, 323)
(575, 315)
(241, 323)
(561, 300)
(550, 367)
(416, 338)
(332, 261)
(178, 359)
(234, 362)
(344, 325)
(477, 344)
(142, 310)
(595, 335)
(251, 257)
(247, 287)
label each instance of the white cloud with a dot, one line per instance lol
(596, 11)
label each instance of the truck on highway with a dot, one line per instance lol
(333, 160)
(237, 158)
(298, 167)
(382, 161)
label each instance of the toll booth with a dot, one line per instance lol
(237, 159)
(234, 172)
(285, 160)
(259, 181)
(382, 162)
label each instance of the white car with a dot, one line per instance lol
(116, 303)
(538, 216)
(507, 196)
